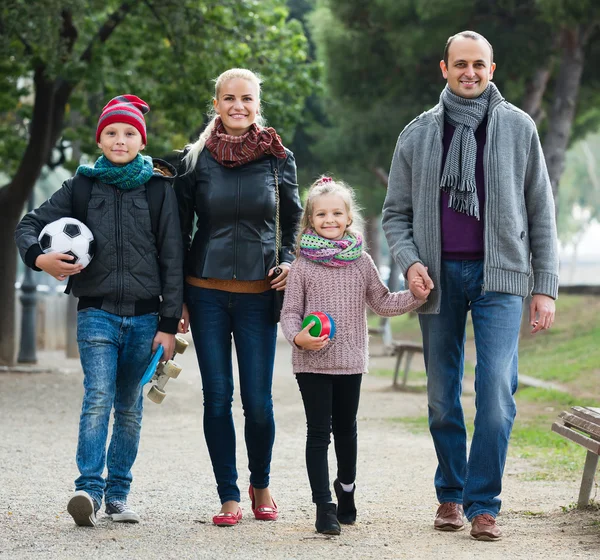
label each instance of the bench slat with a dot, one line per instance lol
(407, 345)
(584, 441)
(590, 428)
(590, 414)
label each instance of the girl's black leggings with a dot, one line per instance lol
(331, 404)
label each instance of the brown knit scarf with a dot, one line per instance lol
(233, 151)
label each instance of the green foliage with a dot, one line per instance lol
(381, 69)
(166, 52)
(567, 12)
(579, 195)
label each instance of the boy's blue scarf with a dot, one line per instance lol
(124, 177)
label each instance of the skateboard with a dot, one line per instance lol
(160, 373)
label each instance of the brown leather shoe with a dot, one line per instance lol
(449, 517)
(484, 528)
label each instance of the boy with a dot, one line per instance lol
(130, 297)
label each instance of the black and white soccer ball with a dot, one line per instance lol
(69, 236)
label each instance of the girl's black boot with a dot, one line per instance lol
(327, 522)
(346, 510)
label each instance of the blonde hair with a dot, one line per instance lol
(323, 186)
(194, 149)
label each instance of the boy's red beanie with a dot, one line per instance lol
(128, 109)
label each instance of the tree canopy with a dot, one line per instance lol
(381, 63)
(62, 60)
(165, 52)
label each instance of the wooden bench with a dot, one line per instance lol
(399, 348)
(582, 425)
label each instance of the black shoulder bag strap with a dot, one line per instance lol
(81, 193)
(155, 193)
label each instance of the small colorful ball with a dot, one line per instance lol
(324, 324)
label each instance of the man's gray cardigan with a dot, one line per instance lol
(519, 222)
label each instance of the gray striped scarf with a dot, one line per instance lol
(458, 177)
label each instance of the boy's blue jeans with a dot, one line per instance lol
(214, 316)
(476, 481)
(115, 352)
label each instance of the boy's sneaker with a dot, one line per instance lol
(83, 509)
(120, 512)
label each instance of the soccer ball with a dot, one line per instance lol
(69, 236)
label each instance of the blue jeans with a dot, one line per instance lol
(115, 352)
(214, 316)
(475, 482)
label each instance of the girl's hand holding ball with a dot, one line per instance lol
(317, 330)
(308, 342)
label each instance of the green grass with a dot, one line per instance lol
(550, 398)
(403, 326)
(414, 424)
(417, 377)
(553, 456)
(563, 360)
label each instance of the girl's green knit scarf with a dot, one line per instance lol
(124, 177)
(330, 252)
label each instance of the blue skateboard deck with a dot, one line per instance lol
(153, 364)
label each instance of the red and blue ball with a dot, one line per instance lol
(324, 324)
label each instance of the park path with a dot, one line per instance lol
(174, 490)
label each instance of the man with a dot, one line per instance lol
(469, 213)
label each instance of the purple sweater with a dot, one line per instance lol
(462, 235)
(343, 293)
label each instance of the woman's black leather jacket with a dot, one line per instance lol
(235, 209)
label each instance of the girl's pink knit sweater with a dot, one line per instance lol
(344, 293)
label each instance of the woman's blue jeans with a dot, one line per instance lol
(214, 316)
(115, 352)
(476, 481)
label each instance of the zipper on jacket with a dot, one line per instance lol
(486, 208)
(235, 232)
(119, 234)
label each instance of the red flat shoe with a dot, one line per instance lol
(263, 512)
(227, 519)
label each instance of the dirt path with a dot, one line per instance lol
(174, 490)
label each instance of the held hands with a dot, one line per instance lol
(541, 312)
(58, 265)
(278, 282)
(419, 282)
(308, 342)
(168, 343)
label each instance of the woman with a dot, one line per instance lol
(229, 181)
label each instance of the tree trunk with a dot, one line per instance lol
(534, 93)
(43, 135)
(562, 113)
(8, 250)
(374, 239)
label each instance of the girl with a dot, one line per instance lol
(239, 181)
(333, 274)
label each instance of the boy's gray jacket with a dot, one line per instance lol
(519, 223)
(131, 267)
